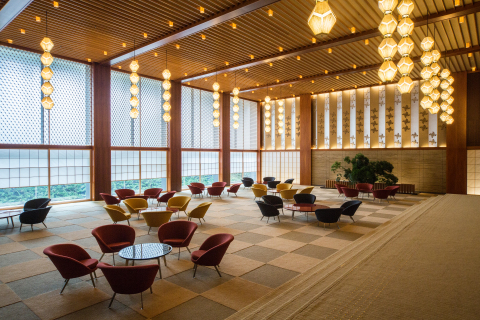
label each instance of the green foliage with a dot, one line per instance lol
(65, 192)
(364, 171)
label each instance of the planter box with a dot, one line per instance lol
(404, 188)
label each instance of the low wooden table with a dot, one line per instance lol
(5, 214)
(159, 209)
(304, 207)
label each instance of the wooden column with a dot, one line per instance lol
(305, 139)
(225, 137)
(259, 141)
(457, 138)
(174, 181)
(102, 166)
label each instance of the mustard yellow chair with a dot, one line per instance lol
(134, 205)
(260, 186)
(155, 219)
(117, 214)
(288, 194)
(307, 190)
(199, 212)
(284, 186)
(180, 203)
(259, 192)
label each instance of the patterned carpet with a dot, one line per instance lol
(261, 258)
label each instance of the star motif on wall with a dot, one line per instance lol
(423, 120)
(432, 134)
(398, 136)
(390, 109)
(389, 129)
(327, 139)
(360, 130)
(389, 115)
(415, 142)
(374, 117)
(382, 136)
(389, 122)
(414, 135)
(405, 107)
(424, 127)
(374, 110)
(374, 130)
(406, 121)
(406, 114)
(345, 132)
(432, 142)
(288, 134)
(406, 128)
(374, 123)
(360, 119)
(424, 113)
(360, 111)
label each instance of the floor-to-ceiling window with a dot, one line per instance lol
(44, 153)
(282, 165)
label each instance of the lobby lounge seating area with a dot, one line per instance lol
(240, 159)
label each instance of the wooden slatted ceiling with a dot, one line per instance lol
(84, 29)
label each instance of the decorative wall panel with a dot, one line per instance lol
(339, 120)
(397, 139)
(366, 118)
(245, 137)
(154, 131)
(352, 122)
(381, 116)
(473, 172)
(414, 115)
(359, 123)
(333, 121)
(374, 116)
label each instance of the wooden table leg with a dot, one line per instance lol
(11, 218)
(159, 268)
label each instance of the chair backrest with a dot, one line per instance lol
(257, 192)
(248, 178)
(267, 210)
(215, 191)
(156, 218)
(116, 213)
(109, 199)
(284, 186)
(247, 182)
(364, 186)
(129, 279)
(266, 179)
(350, 207)
(290, 181)
(200, 210)
(194, 189)
(215, 246)
(234, 188)
(123, 193)
(340, 187)
(349, 192)
(179, 229)
(272, 200)
(272, 184)
(134, 204)
(328, 215)
(393, 189)
(305, 198)
(306, 190)
(34, 216)
(180, 201)
(219, 184)
(66, 257)
(288, 194)
(113, 233)
(198, 185)
(381, 193)
(153, 192)
(36, 203)
(260, 186)
(166, 196)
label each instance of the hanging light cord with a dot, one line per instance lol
(133, 49)
(166, 58)
(46, 23)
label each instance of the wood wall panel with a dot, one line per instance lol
(473, 109)
(457, 139)
(360, 117)
(305, 141)
(102, 166)
(225, 137)
(174, 181)
(259, 141)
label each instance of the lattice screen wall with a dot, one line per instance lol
(242, 164)
(281, 165)
(199, 167)
(26, 122)
(246, 136)
(290, 138)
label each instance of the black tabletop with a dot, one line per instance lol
(145, 251)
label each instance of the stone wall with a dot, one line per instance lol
(424, 168)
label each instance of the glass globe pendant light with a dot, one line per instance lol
(427, 72)
(405, 29)
(388, 47)
(447, 95)
(267, 113)
(322, 19)
(47, 73)
(134, 90)
(235, 107)
(280, 114)
(216, 104)
(166, 84)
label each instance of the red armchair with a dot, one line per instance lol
(152, 193)
(219, 184)
(215, 191)
(393, 191)
(234, 189)
(199, 185)
(350, 193)
(381, 194)
(124, 193)
(165, 197)
(129, 280)
(109, 199)
(211, 251)
(178, 234)
(365, 188)
(195, 190)
(71, 261)
(113, 237)
(339, 188)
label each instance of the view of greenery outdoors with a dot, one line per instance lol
(18, 196)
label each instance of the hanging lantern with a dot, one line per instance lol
(450, 79)
(445, 95)
(405, 84)
(235, 108)
(434, 108)
(405, 27)
(444, 84)
(236, 116)
(449, 120)
(280, 116)
(47, 103)
(216, 86)
(268, 122)
(426, 102)
(166, 85)
(387, 48)
(236, 99)
(450, 110)
(388, 25)
(444, 105)
(134, 78)
(435, 68)
(435, 95)
(280, 109)
(167, 95)
(216, 95)
(405, 65)
(47, 74)
(134, 66)
(167, 117)
(427, 43)
(427, 58)
(280, 103)
(47, 88)
(134, 90)
(167, 106)
(387, 6)
(47, 59)
(216, 113)
(134, 113)
(450, 100)
(280, 130)
(216, 104)
(267, 114)
(426, 88)
(267, 98)
(166, 74)
(405, 46)
(426, 73)
(267, 106)
(387, 71)
(280, 123)
(216, 123)
(46, 44)
(435, 81)
(444, 116)
(322, 19)
(236, 91)
(445, 73)
(267, 129)
(134, 101)
(236, 125)
(436, 55)
(450, 90)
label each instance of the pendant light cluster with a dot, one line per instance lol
(47, 73)
(446, 95)
(236, 108)
(166, 94)
(216, 104)
(280, 114)
(388, 47)
(405, 46)
(322, 19)
(267, 113)
(134, 90)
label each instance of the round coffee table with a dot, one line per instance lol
(5, 214)
(304, 207)
(159, 209)
(146, 251)
(274, 192)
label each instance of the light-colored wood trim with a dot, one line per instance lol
(306, 139)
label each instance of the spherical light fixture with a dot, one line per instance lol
(236, 125)
(426, 88)
(280, 130)
(216, 104)
(444, 116)
(426, 102)
(280, 103)
(427, 43)
(444, 105)
(427, 58)
(134, 113)
(267, 106)
(47, 74)
(435, 81)
(434, 108)
(47, 103)
(449, 120)
(268, 121)
(134, 66)
(387, 6)
(450, 110)
(445, 95)
(387, 71)
(435, 95)
(280, 123)
(445, 73)
(46, 44)
(235, 108)
(47, 88)
(236, 116)
(267, 114)
(435, 68)
(322, 19)
(236, 100)
(450, 100)
(167, 106)
(267, 129)
(167, 117)
(166, 74)
(387, 48)
(167, 95)
(444, 84)
(280, 109)
(405, 65)
(388, 25)
(47, 59)
(450, 79)
(405, 46)
(134, 90)
(216, 123)
(426, 73)
(405, 85)
(216, 95)
(405, 8)
(436, 55)
(134, 102)
(216, 114)
(236, 91)
(405, 27)
(267, 99)
(166, 85)
(280, 116)
(216, 86)
(450, 90)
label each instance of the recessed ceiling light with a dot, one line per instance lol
(204, 69)
(468, 45)
(105, 53)
(38, 19)
(55, 4)
(188, 83)
(474, 68)
(202, 9)
(291, 85)
(354, 66)
(326, 71)
(258, 84)
(252, 56)
(355, 86)
(9, 40)
(330, 50)
(364, 72)
(225, 75)
(367, 42)
(89, 60)
(253, 91)
(337, 77)
(170, 23)
(155, 54)
(145, 35)
(185, 74)
(313, 81)
(333, 89)
(298, 58)
(270, 64)
(246, 70)
(22, 31)
(119, 67)
(234, 26)
(206, 79)
(226, 63)
(177, 46)
(203, 37)
(470, 55)
(352, 29)
(300, 76)
(461, 19)
(280, 49)
(457, 3)
(270, 12)
(314, 40)
(124, 45)
(278, 81)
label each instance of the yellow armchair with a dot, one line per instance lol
(288, 194)
(134, 205)
(260, 186)
(284, 186)
(258, 193)
(117, 214)
(307, 190)
(180, 203)
(199, 212)
(155, 219)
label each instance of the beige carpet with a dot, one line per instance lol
(422, 265)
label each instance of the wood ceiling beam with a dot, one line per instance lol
(11, 10)
(450, 53)
(372, 33)
(212, 21)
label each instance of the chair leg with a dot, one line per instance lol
(262, 218)
(141, 299)
(44, 225)
(31, 226)
(21, 224)
(66, 282)
(279, 218)
(149, 228)
(178, 253)
(128, 221)
(337, 225)
(195, 270)
(111, 301)
(151, 291)
(93, 282)
(216, 268)
(113, 257)
(101, 257)
(95, 274)
(165, 261)
(352, 219)
(268, 218)
(188, 250)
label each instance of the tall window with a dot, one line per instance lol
(242, 164)
(198, 131)
(282, 165)
(245, 137)
(199, 167)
